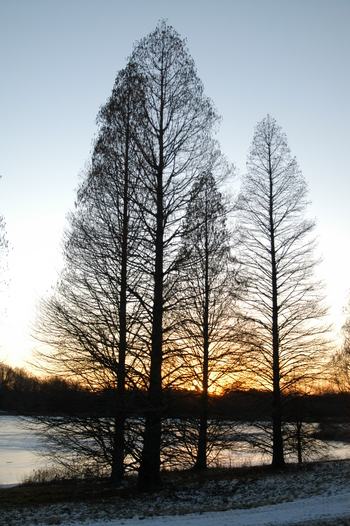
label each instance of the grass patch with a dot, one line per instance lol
(241, 473)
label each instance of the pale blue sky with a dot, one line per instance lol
(58, 61)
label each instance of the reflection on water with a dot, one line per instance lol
(19, 448)
(246, 455)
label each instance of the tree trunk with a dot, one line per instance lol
(149, 473)
(300, 459)
(118, 447)
(119, 442)
(277, 447)
(201, 462)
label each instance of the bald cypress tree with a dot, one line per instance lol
(89, 322)
(283, 308)
(207, 290)
(175, 121)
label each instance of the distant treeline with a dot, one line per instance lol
(25, 394)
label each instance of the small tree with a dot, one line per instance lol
(3, 250)
(3, 247)
(3, 263)
(341, 359)
(206, 293)
(283, 305)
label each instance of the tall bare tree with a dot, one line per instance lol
(284, 306)
(89, 321)
(174, 121)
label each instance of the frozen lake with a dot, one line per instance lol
(19, 450)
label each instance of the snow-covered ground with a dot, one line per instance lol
(297, 512)
(315, 493)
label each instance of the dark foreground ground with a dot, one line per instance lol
(96, 502)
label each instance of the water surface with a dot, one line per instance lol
(20, 448)
(18, 451)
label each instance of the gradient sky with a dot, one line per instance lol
(58, 61)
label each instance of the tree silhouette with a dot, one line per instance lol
(341, 359)
(174, 123)
(284, 303)
(90, 320)
(206, 293)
